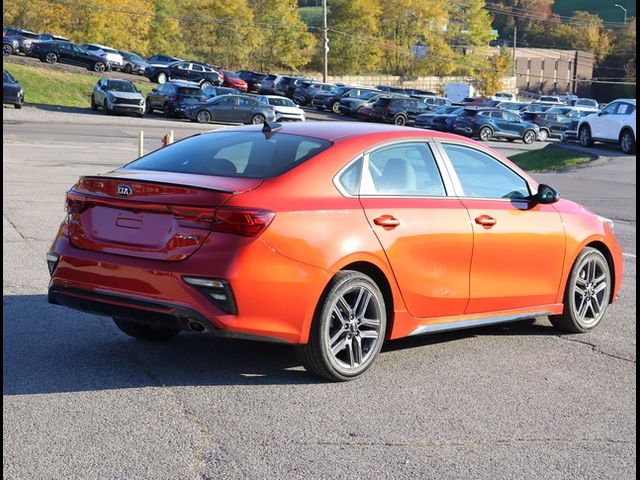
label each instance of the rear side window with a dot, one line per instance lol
(189, 91)
(406, 169)
(233, 154)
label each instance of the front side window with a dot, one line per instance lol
(482, 176)
(407, 169)
(611, 108)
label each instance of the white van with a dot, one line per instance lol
(457, 92)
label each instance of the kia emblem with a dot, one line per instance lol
(124, 190)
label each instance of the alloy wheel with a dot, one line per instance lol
(590, 294)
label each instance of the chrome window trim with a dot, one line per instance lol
(456, 181)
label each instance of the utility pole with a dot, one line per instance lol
(515, 39)
(325, 41)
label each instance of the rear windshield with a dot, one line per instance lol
(381, 102)
(190, 91)
(233, 154)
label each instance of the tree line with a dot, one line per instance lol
(400, 37)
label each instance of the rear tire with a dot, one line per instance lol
(94, 105)
(18, 106)
(485, 134)
(127, 68)
(258, 119)
(161, 78)
(628, 142)
(400, 120)
(166, 109)
(203, 116)
(335, 108)
(588, 291)
(348, 328)
(99, 67)
(144, 332)
(7, 49)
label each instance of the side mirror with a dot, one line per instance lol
(545, 195)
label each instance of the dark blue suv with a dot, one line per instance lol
(488, 123)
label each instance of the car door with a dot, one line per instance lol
(246, 108)
(179, 71)
(99, 92)
(518, 248)
(601, 122)
(66, 53)
(426, 235)
(619, 119)
(224, 109)
(157, 96)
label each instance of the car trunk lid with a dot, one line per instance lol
(148, 214)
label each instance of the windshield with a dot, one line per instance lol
(245, 154)
(7, 77)
(120, 86)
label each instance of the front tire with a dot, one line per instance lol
(585, 136)
(94, 105)
(348, 328)
(161, 78)
(529, 137)
(335, 108)
(144, 332)
(127, 68)
(205, 84)
(587, 293)
(7, 50)
(542, 136)
(628, 142)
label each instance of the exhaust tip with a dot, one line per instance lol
(196, 326)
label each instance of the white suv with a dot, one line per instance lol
(112, 56)
(616, 123)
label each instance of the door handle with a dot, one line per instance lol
(486, 221)
(387, 221)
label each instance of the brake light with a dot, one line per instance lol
(248, 222)
(197, 217)
(74, 204)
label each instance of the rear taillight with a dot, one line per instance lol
(196, 217)
(248, 222)
(74, 204)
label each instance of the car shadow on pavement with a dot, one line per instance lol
(50, 349)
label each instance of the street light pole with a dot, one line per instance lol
(624, 10)
(325, 41)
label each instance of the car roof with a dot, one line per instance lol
(335, 131)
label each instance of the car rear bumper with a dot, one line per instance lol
(268, 306)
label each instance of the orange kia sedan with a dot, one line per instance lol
(331, 236)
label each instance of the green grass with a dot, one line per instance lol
(550, 158)
(312, 16)
(49, 87)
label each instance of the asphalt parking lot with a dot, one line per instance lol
(82, 400)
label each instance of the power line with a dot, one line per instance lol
(525, 14)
